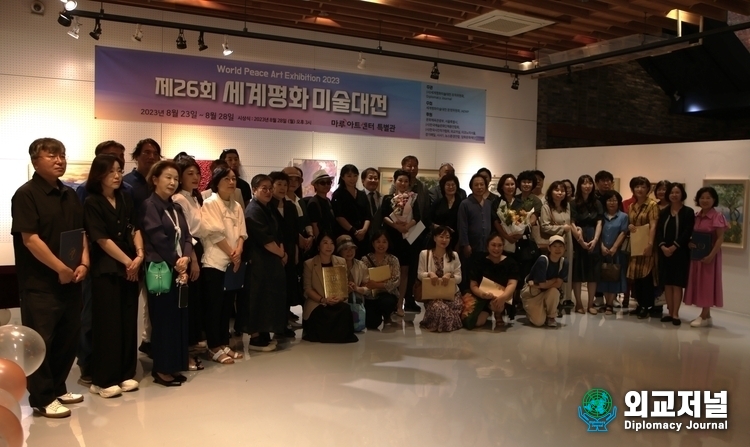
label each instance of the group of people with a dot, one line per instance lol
(251, 252)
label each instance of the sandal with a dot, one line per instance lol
(399, 313)
(593, 311)
(608, 310)
(580, 311)
(232, 354)
(220, 357)
(197, 365)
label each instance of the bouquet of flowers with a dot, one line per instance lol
(513, 222)
(402, 209)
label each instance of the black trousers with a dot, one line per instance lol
(218, 307)
(114, 327)
(57, 318)
(169, 332)
(379, 309)
(643, 290)
(195, 304)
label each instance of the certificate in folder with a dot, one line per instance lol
(438, 292)
(234, 280)
(414, 232)
(335, 282)
(639, 240)
(380, 274)
(71, 248)
(489, 286)
(704, 243)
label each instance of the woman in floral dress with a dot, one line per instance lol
(439, 264)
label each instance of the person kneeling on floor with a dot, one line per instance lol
(540, 294)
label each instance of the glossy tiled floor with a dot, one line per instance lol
(514, 386)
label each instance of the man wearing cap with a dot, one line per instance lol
(435, 193)
(319, 206)
(541, 294)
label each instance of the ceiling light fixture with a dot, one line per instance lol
(69, 4)
(201, 44)
(361, 62)
(435, 74)
(65, 19)
(181, 43)
(97, 30)
(76, 29)
(225, 47)
(138, 35)
(514, 85)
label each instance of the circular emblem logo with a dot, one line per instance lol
(597, 403)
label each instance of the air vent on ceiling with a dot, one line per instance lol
(504, 23)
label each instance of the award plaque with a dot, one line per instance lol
(335, 282)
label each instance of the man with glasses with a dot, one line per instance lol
(435, 193)
(47, 220)
(147, 152)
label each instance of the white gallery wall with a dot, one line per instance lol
(47, 89)
(684, 162)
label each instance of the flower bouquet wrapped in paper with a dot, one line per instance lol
(402, 207)
(513, 222)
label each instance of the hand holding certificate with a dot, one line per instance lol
(640, 240)
(487, 286)
(443, 290)
(335, 282)
(71, 248)
(380, 274)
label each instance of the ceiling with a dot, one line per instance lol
(432, 23)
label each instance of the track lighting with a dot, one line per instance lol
(181, 43)
(97, 30)
(65, 19)
(138, 35)
(201, 44)
(76, 28)
(225, 46)
(514, 85)
(435, 74)
(69, 5)
(361, 62)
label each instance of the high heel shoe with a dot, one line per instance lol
(179, 377)
(162, 382)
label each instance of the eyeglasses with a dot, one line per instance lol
(264, 189)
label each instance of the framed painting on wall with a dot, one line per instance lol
(310, 167)
(76, 173)
(733, 198)
(429, 177)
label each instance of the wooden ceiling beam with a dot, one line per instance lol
(548, 6)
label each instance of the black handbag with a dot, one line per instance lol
(526, 249)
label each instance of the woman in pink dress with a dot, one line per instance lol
(704, 287)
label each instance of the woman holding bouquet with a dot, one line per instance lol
(399, 215)
(439, 264)
(587, 263)
(504, 212)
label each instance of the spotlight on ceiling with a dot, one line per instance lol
(69, 4)
(181, 43)
(361, 62)
(201, 44)
(514, 85)
(138, 35)
(97, 30)
(225, 47)
(76, 28)
(65, 19)
(435, 74)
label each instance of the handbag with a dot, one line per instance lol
(611, 271)
(526, 249)
(357, 306)
(158, 278)
(417, 290)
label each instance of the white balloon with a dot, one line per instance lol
(8, 401)
(4, 316)
(23, 346)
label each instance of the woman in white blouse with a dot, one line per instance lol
(439, 264)
(223, 235)
(191, 201)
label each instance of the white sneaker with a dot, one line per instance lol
(129, 385)
(701, 322)
(70, 398)
(111, 391)
(53, 410)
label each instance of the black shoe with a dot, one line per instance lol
(260, 344)
(643, 314)
(637, 311)
(412, 307)
(568, 303)
(145, 348)
(179, 377)
(162, 382)
(676, 321)
(666, 319)
(292, 316)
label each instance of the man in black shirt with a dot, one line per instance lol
(233, 160)
(42, 210)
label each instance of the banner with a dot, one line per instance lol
(133, 85)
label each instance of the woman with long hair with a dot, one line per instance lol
(439, 264)
(587, 263)
(351, 208)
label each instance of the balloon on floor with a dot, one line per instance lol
(22, 345)
(11, 431)
(12, 379)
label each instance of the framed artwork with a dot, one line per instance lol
(733, 198)
(76, 173)
(429, 177)
(310, 167)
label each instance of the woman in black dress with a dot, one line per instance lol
(445, 210)
(673, 232)
(351, 209)
(266, 284)
(587, 263)
(167, 239)
(111, 222)
(400, 214)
